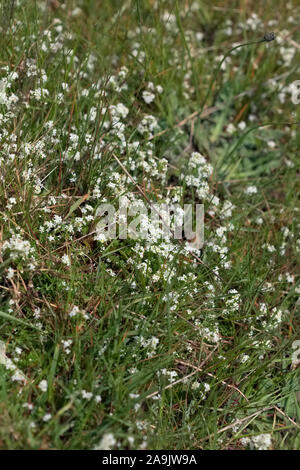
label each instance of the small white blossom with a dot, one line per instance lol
(148, 97)
(251, 190)
(43, 385)
(107, 442)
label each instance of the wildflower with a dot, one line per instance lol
(260, 442)
(251, 190)
(18, 377)
(29, 406)
(66, 345)
(271, 144)
(10, 273)
(242, 125)
(107, 442)
(74, 311)
(18, 247)
(148, 97)
(39, 93)
(66, 260)
(244, 358)
(195, 385)
(47, 417)
(86, 395)
(231, 128)
(43, 385)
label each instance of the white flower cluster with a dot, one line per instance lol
(198, 173)
(259, 442)
(18, 247)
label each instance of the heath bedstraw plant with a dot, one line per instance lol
(148, 343)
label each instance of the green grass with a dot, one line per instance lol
(165, 350)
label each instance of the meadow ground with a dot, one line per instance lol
(149, 343)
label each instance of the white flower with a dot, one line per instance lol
(38, 93)
(231, 128)
(43, 385)
(107, 442)
(29, 406)
(17, 246)
(242, 125)
(47, 417)
(244, 358)
(148, 97)
(10, 273)
(66, 345)
(260, 442)
(74, 311)
(130, 440)
(66, 260)
(18, 377)
(86, 395)
(76, 12)
(251, 190)
(195, 385)
(98, 398)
